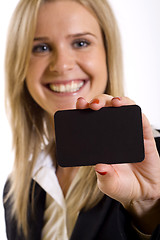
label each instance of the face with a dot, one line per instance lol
(68, 58)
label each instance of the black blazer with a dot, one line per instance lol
(108, 220)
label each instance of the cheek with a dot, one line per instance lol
(32, 88)
(96, 67)
(33, 80)
(36, 69)
(101, 63)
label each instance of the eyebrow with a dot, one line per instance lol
(70, 35)
(41, 38)
(82, 34)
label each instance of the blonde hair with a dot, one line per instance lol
(30, 123)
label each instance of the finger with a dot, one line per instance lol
(81, 103)
(107, 178)
(147, 130)
(149, 142)
(121, 101)
(100, 101)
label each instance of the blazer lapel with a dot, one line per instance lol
(35, 217)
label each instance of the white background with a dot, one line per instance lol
(139, 22)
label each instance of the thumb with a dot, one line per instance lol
(107, 179)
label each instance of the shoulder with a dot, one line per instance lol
(37, 199)
(10, 220)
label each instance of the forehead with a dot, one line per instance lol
(65, 14)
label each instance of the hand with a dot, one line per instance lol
(136, 185)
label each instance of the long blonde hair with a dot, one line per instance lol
(30, 123)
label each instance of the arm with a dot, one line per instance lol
(136, 186)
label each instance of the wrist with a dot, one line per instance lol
(145, 214)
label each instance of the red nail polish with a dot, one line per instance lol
(95, 101)
(102, 173)
(118, 98)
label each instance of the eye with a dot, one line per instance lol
(80, 43)
(41, 48)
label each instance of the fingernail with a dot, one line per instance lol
(102, 173)
(80, 98)
(94, 101)
(118, 98)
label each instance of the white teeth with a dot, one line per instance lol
(70, 87)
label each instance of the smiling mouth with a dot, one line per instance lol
(70, 87)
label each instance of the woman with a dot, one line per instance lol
(65, 54)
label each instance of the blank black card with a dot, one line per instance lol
(110, 135)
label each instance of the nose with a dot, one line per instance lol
(61, 62)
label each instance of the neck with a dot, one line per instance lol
(65, 177)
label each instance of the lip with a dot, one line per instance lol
(66, 82)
